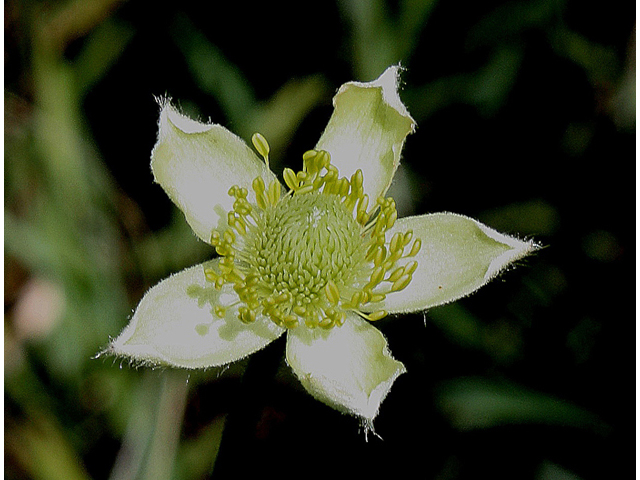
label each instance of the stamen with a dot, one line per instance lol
(415, 248)
(262, 146)
(333, 294)
(312, 255)
(401, 283)
(274, 193)
(290, 179)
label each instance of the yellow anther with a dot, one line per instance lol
(377, 297)
(258, 185)
(410, 267)
(370, 252)
(301, 177)
(390, 203)
(227, 261)
(225, 267)
(366, 294)
(415, 248)
(229, 236)
(391, 219)
(381, 223)
(323, 160)
(242, 207)
(262, 146)
(356, 298)
(396, 242)
(309, 155)
(375, 316)
(401, 283)
(397, 273)
(377, 276)
(299, 310)
(290, 178)
(290, 321)
(305, 189)
(342, 186)
(332, 292)
(363, 203)
(246, 315)
(408, 235)
(392, 259)
(380, 255)
(215, 238)
(274, 192)
(356, 179)
(326, 323)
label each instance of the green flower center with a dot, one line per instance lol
(311, 255)
(304, 242)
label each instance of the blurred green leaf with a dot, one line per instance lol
(43, 450)
(377, 39)
(277, 118)
(535, 217)
(487, 88)
(102, 49)
(509, 20)
(472, 403)
(214, 73)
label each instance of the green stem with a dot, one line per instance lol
(149, 446)
(164, 444)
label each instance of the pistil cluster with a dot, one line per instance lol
(313, 254)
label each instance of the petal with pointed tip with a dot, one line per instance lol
(367, 131)
(458, 256)
(174, 325)
(349, 368)
(197, 163)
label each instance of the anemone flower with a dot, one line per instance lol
(318, 258)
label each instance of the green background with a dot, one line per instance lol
(526, 121)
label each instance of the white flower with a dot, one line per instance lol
(318, 259)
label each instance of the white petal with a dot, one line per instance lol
(367, 131)
(458, 256)
(197, 163)
(349, 368)
(174, 325)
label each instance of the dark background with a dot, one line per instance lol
(526, 121)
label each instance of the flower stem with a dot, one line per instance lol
(242, 420)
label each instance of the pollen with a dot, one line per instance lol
(308, 256)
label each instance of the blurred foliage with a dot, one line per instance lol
(526, 114)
